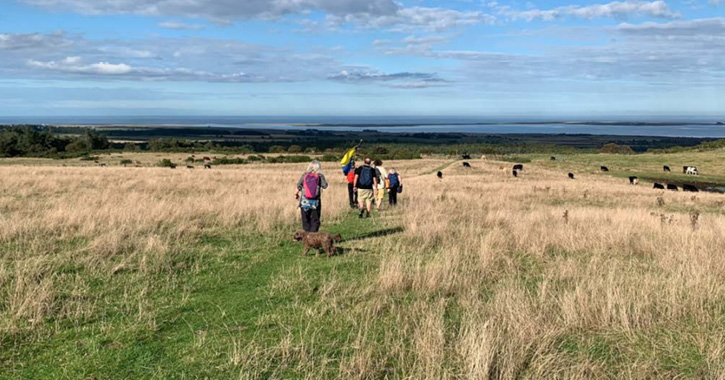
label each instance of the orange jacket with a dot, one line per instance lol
(351, 176)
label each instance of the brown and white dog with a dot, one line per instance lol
(319, 240)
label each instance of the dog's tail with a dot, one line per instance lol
(337, 237)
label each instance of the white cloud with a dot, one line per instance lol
(74, 65)
(615, 9)
(222, 11)
(411, 19)
(32, 41)
(404, 80)
(180, 25)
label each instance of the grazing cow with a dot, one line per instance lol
(515, 173)
(571, 175)
(690, 188)
(466, 156)
(604, 168)
(666, 168)
(440, 175)
(672, 187)
(552, 158)
(102, 164)
(189, 167)
(690, 170)
(207, 166)
(658, 186)
(466, 165)
(519, 167)
(206, 158)
(633, 180)
(483, 157)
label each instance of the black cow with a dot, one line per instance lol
(658, 186)
(552, 158)
(604, 168)
(672, 187)
(189, 167)
(690, 188)
(440, 175)
(666, 168)
(466, 165)
(207, 166)
(516, 174)
(571, 175)
(466, 156)
(519, 167)
(633, 180)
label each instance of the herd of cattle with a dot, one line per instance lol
(633, 180)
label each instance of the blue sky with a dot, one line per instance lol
(362, 57)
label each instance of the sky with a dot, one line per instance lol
(474, 58)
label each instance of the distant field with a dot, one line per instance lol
(151, 273)
(648, 167)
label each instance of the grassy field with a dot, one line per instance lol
(116, 273)
(648, 167)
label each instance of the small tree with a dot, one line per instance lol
(126, 162)
(294, 149)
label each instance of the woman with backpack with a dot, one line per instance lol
(309, 189)
(396, 186)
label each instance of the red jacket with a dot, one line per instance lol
(351, 176)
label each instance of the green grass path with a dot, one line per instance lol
(248, 291)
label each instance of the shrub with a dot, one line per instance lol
(613, 148)
(329, 158)
(294, 149)
(126, 162)
(166, 163)
(229, 161)
(276, 149)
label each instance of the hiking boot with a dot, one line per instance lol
(360, 216)
(367, 215)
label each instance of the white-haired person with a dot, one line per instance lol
(309, 190)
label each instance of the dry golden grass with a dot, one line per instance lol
(492, 276)
(525, 281)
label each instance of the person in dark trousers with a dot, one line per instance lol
(366, 186)
(309, 190)
(352, 195)
(395, 184)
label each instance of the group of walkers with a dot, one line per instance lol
(366, 185)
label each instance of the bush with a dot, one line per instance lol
(288, 159)
(276, 149)
(126, 162)
(229, 161)
(294, 149)
(613, 148)
(166, 163)
(329, 158)
(89, 158)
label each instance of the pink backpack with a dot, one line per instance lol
(311, 184)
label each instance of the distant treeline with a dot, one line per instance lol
(30, 141)
(62, 142)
